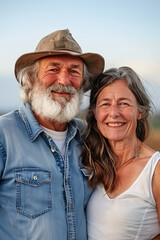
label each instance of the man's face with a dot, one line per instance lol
(65, 70)
(56, 95)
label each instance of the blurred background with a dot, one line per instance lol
(124, 32)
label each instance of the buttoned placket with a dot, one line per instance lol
(57, 155)
(64, 167)
(71, 219)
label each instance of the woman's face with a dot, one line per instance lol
(117, 112)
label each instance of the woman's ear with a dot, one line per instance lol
(140, 115)
(95, 114)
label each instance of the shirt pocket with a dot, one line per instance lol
(33, 191)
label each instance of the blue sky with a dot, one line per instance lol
(124, 32)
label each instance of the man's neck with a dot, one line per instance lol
(56, 126)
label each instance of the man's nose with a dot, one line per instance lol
(63, 77)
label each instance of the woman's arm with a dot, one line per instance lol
(156, 191)
(156, 187)
(156, 238)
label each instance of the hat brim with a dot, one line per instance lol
(93, 61)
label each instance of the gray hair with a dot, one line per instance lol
(28, 75)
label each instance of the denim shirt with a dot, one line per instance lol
(43, 195)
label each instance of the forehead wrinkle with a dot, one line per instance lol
(124, 98)
(119, 99)
(55, 64)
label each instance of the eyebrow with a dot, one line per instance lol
(75, 66)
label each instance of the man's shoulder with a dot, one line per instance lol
(8, 117)
(8, 122)
(80, 123)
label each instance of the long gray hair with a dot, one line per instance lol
(97, 155)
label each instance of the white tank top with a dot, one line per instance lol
(131, 215)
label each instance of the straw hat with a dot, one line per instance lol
(58, 43)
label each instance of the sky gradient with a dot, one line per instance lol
(124, 32)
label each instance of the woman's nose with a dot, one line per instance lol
(114, 111)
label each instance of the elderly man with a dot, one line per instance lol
(43, 186)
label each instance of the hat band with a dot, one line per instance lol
(67, 50)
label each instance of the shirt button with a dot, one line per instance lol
(35, 177)
(53, 149)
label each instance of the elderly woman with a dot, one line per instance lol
(125, 204)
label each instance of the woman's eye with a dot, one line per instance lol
(123, 104)
(105, 105)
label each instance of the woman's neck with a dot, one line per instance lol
(125, 150)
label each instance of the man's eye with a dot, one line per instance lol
(53, 69)
(74, 71)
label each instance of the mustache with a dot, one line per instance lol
(61, 89)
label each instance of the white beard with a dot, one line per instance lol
(60, 109)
